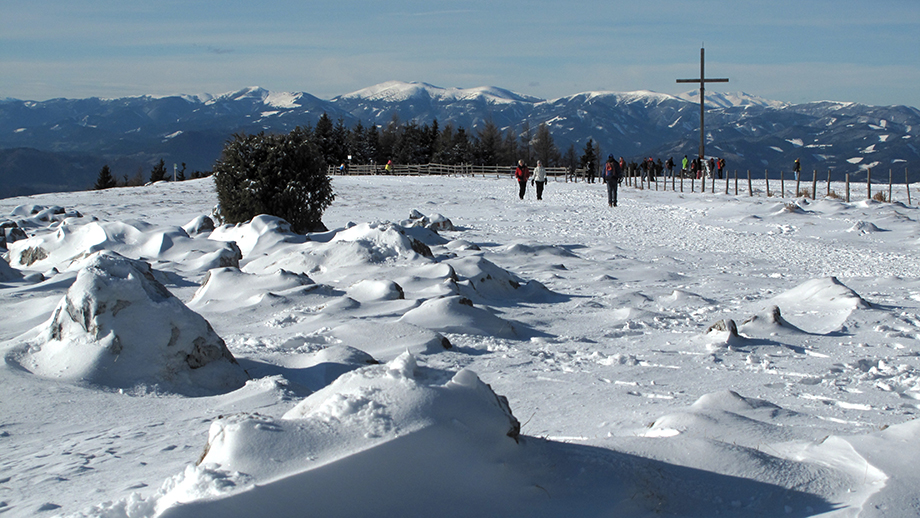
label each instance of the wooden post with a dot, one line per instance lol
(828, 183)
(703, 183)
(889, 185)
(798, 179)
(869, 183)
(692, 183)
(782, 185)
(907, 185)
(726, 182)
(681, 183)
(766, 175)
(673, 180)
(736, 182)
(750, 188)
(848, 187)
(713, 185)
(814, 184)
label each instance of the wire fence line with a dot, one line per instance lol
(805, 185)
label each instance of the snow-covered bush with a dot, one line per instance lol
(278, 175)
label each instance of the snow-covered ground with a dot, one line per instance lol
(554, 358)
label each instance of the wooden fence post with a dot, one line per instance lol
(726, 182)
(907, 185)
(782, 185)
(736, 182)
(869, 183)
(814, 184)
(703, 183)
(766, 175)
(828, 183)
(798, 180)
(848, 187)
(889, 185)
(750, 188)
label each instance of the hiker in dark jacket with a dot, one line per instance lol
(612, 175)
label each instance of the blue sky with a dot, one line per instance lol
(794, 51)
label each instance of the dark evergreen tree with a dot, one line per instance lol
(180, 176)
(444, 145)
(510, 148)
(544, 147)
(158, 173)
(357, 144)
(278, 175)
(434, 140)
(589, 157)
(570, 159)
(526, 149)
(461, 150)
(322, 136)
(386, 143)
(488, 147)
(339, 148)
(105, 180)
(373, 144)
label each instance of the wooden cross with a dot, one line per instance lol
(702, 81)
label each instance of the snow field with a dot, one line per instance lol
(376, 364)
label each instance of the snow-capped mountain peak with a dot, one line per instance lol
(730, 99)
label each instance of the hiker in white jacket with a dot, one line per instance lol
(539, 179)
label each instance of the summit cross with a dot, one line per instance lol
(702, 81)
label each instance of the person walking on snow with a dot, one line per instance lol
(539, 179)
(521, 173)
(797, 168)
(612, 174)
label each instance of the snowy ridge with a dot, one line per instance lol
(731, 100)
(398, 91)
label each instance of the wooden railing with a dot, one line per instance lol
(557, 173)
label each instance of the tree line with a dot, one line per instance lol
(412, 143)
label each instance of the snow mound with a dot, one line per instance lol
(434, 222)
(864, 227)
(769, 322)
(200, 225)
(458, 315)
(394, 416)
(136, 239)
(375, 290)
(118, 327)
(820, 305)
(8, 273)
(259, 236)
(356, 246)
(229, 288)
(484, 280)
(387, 340)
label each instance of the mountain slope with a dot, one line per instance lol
(750, 132)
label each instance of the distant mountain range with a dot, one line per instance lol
(61, 144)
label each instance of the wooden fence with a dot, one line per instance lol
(556, 173)
(731, 184)
(803, 186)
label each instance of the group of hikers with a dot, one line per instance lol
(612, 175)
(650, 168)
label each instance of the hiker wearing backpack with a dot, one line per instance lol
(612, 175)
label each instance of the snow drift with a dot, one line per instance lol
(119, 327)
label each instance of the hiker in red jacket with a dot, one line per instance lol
(522, 174)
